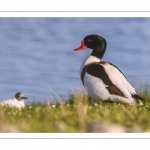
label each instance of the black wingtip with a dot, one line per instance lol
(138, 99)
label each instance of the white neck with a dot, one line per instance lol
(88, 60)
(21, 101)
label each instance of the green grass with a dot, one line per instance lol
(76, 115)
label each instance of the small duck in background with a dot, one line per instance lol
(17, 101)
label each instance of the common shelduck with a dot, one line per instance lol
(17, 101)
(103, 80)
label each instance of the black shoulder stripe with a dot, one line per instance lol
(83, 73)
(98, 71)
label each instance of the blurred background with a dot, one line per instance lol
(37, 55)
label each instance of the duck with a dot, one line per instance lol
(103, 81)
(17, 101)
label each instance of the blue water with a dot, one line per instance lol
(37, 54)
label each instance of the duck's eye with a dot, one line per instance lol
(89, 40)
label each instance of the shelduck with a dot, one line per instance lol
(17, 101)
(103, 80)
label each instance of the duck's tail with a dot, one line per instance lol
(139, 99)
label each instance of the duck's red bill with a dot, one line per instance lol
(82, 47)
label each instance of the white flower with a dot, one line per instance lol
(90, 107)
(30, 107)
(95, 104)
(53, 106)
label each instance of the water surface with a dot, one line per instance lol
(37, 54)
